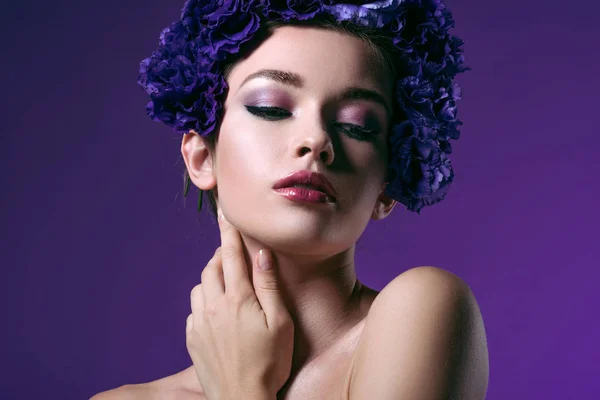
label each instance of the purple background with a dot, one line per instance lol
(99, 253)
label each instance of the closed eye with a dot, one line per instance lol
(358, 132)
(269, 113)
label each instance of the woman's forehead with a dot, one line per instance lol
(317, 55)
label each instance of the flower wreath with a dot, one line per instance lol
(184, 77)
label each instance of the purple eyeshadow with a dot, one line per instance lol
(270, 98)
(359, 116)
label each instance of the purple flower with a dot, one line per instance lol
(446, 102)
(228, 27)
(209, 104)
(415, 96)
(374, 15)
(198, 8)
(194, 13)
(226, 9)
(419, 170)
(181, 97)
(293, 9)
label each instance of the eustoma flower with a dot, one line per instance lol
(373, 15)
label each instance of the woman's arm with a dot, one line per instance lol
(424, 339)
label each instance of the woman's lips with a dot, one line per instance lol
(307, 179)
(306, 195)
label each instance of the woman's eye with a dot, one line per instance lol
(275, 113)
(268, 113)
(357, 132)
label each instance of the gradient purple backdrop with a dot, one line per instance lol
(99, 253)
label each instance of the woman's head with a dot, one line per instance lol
(376, 53)
(190, 77)
(315, 127)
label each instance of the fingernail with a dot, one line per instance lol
(220, 213)
(264, 261)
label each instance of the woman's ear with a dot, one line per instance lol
(198, 160)
(384, 205)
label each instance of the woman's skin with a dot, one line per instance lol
(313, 245)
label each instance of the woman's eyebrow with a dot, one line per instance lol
(285, 77)
(294, 79)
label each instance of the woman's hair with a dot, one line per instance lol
(382, 48)
(185, 76)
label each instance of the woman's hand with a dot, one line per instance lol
(239, 335)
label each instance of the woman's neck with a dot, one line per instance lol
(322, 294)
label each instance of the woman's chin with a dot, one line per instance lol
(290, 234)
(298, 241)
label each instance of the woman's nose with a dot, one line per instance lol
(318, 149)
(315, 142)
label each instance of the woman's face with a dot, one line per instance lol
(311, 131)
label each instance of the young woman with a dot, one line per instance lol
(305, 120)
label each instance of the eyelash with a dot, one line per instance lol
(275, 113)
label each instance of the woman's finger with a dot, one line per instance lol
(213, 284)
(197, 300)
(189, 324)
(235, 270)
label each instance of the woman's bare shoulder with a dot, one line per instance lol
(169, 388)
(424, 318)
(125, 392)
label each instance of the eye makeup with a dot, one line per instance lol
(272, 104)
(267, 98)
(360, 115)
(268, 113)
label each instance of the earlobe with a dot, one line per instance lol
(198, 160)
